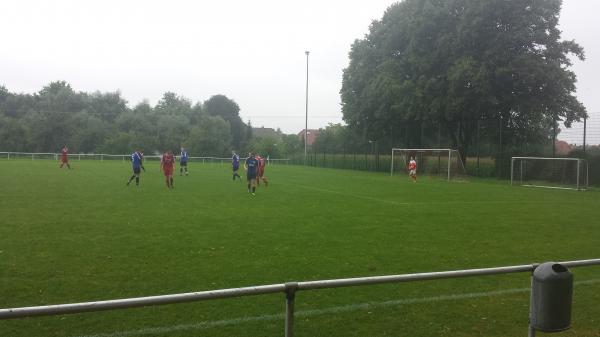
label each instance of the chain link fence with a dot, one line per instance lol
(488, 146)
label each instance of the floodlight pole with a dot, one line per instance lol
(306, 106)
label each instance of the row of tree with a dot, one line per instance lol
(103, 123)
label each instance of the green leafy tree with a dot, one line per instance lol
(212, 137)
(268, 146)
(220, 105)
(454, 62)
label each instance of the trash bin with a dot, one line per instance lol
(551, 297)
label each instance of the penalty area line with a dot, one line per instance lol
(317, 312)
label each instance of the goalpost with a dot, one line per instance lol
(559, 173)
(442, 162)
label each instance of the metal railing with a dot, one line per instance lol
(123, 157)
(289, 289)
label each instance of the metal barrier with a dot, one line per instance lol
(289, 289)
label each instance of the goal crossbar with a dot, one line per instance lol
(421, 150)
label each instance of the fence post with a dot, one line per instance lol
(531, 332)
(290, 296)
(499, 164)
(554, 137)
(584, 134)
(478, 127)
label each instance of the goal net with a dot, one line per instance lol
(563, 173)
(444, 163)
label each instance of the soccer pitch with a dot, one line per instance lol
(82, 235)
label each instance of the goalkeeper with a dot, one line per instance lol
(412, 169)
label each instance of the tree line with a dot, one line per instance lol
(103, 123)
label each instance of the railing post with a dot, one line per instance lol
(531, 332)
(290, 295)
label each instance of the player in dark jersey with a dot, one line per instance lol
(137, 164)
(235, 164)
(183, 160)
(251, 167)
(167, 165)
(64, 157)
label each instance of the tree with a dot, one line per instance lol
(267, 147)
(220, 105)
(291, 145)
(211, 138)
(454, 62)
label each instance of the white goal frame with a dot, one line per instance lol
(449, 151)
(580, 164)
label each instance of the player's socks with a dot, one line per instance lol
(253, 190)
(137, 181)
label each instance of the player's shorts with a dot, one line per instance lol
(236, 167)
(250, 177)
(413, 172)
(183, 163)
(261, 172)
(168, 172)
(136, 169)
(64, 159)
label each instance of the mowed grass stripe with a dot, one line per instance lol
(82, 235)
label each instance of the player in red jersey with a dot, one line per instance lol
(412, 169)
(261, 171)
(167, 165)
(64, 157)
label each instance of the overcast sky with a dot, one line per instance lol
(251, 51)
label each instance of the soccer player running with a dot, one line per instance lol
(261, 171)
(167, 165)
(183, 160)
(64, 157)
(136, 164)
(251, 167)
(412, 169)
(235, 164)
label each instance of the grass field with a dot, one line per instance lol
(82, 235)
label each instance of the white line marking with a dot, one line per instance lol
(317, 312)
(364, 197)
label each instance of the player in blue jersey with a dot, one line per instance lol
(235, 164)
(183, 160)
(137, 164)
(251, 167)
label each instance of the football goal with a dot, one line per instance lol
(562, 173)
(444, 163)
